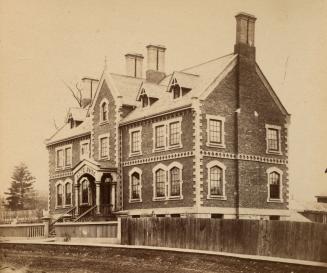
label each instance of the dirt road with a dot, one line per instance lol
(77, 259)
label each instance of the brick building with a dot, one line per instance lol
(207, 141)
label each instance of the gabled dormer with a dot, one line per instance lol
(149, 93)
(76, 116)
(181, 83)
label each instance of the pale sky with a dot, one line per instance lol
(45, 42)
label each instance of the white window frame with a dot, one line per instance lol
(101, 120)
(59, 182)
(223, 167)
(222, 120)
(68, 181)
(280, 172)
(180, 167)
(154, 170)
(63, 148)
(278, 128)
(131, 131)
(99, 148)
(166, 124)
(130, 173)
(81, 145)
(167, 181)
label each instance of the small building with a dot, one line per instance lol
(209, 140)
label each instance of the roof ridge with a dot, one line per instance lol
(212, 60)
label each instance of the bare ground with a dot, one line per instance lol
(67, 259)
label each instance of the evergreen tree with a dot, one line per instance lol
(19, 193)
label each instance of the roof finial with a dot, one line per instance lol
(105, 62)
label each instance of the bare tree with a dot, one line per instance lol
(77, 93)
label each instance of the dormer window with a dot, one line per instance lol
(176, 91)
(145, 100)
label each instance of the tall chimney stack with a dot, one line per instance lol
(156, 63)
(134, 63)
(245, 24)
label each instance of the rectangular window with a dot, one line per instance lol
(68, 156)
(273, 143)
(160, 136)
(104, 147)
(273, 139)
(174, 133)
(60, 158)
(215, 127)
(136, 141)
(85, 149)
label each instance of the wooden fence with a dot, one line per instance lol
(297, 240)
(25, 230)
(101, 231)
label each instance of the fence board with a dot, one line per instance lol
(306, 241)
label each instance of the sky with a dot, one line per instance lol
(46, 43)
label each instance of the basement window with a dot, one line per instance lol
(217, 216)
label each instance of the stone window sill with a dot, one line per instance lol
(216, 145)
(104, 122)
(275, 201)
(135, 200)
(217, 197)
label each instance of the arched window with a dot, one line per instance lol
(160, 181)
(59, 195)
(216, 180)
(104, 111)
(135, 186)
(68, 193)
(85, 191)
(274, 182)
(175, 181)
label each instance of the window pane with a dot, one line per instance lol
(215, 130)
(135, 186)
(177, 91)
(216, 181)
(160, 183)
(175, 182)
(60, 158)
(273, 142)
(160, 136)
(136, 141)
(104, 147)
(59, 195)
(68, 155)
(274, 185)
(68, 196)
(174, 131)
(85, 151)
(104, 111)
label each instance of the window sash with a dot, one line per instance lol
(273, 139)
(85, 193)
(160, 183)
(85, 150)
(175, 182)
(60, 158)
(59, 195)
(136, 141)
(216, 177)
(135, 186)
(215, 131)
(68, 194)
(160, 136)
(104, 111)
(104, 147)
(174, 133)
(274, 185)
(68, 156)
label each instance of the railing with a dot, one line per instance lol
(24, 230)
(51, 226)
(89, 212)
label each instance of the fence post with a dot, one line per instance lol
(119, 230)
(46, 222)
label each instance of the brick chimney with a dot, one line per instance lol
(134, 64)
(156, 63)
(244, 46)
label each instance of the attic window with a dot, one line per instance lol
(145, 100)
(176, 89)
